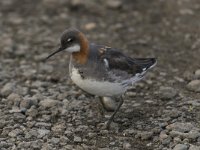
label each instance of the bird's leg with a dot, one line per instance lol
(102, 106)
(113, 115)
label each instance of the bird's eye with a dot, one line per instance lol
(69, 40)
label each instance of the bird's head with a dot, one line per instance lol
(72, 41)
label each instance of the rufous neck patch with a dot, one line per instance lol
(82, 56)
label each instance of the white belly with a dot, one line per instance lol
(96, 87)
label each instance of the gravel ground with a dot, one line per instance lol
(40, 108)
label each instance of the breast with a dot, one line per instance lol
(95, 87)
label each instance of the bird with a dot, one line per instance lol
(101, 70)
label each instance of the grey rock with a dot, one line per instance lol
(146, 135)
(197, 74)
(36, 144)
(7, 89)
(114, 4)
(193, 134)
(167, 93)
(178, 134)
(42, 124)
(42, 132)
(181, 127)
(32, 133)
(55, 140)
(14, 99)
(194, 85)
(77, 139)
(45, 68)
(126, 145)
(32, 112)
(166, 141)
(26, 103)
(4, 144)
(49, 103)
(180, 147)
(15, 132)
(23, 145)
(194, 147)
(58, 128)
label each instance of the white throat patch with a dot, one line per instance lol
(73, 48)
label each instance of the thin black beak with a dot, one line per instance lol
(58, 50)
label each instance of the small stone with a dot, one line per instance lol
(14, 99)
(166, 141)
(4, 144)
(32, 112)
(31, 134)
(197, 73)
(194, 86)
(146, 135)
(15, 133)
(76, 3)
(163, 136)
(194, 147)
(36, 144)
(48, 103)
(25, 103)
(167, 93)
(55, 140)
(43, 124)
(58, 128)
(180, 147)
(7, 89)
(77, 139)
(114, 4)
(42, 132)
(45, 68)
(90, 26)
(24, 145)
(193, 134)
(180, 127)
(126, 145)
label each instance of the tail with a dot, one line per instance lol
(145, 63)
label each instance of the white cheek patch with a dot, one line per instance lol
(73, 48)
(106, 63)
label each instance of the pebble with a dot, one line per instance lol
(14, 99)
(15, 133)
(7, 89)
(126, 145)
(25, 103)
(193, 134)
(42, 124)
(48, 103)
(55, 140)
(180, 147)
(77, 139)
(58, 128)
(31, 134)
(42, 132)
(167, 93)
(114, 4)
(194, 147)
(194, 86)
(90, 26)
(180, 127)
(32, 112)
(146, 135)
(197, 74)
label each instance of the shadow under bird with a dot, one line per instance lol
(100, 70)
